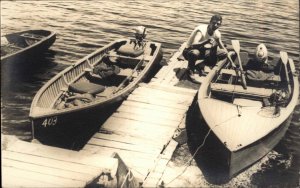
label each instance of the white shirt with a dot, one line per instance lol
(202, 28)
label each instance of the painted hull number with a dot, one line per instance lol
(51, 121)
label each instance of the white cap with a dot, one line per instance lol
(140, 30)
(261, 53)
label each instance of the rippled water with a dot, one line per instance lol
(83, 26)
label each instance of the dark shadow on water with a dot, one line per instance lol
(282, 169)
(209, 158)
(16, 73)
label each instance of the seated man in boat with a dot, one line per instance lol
(205, 35)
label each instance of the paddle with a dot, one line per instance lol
(129, 76)
(236, 48)
(284, 59)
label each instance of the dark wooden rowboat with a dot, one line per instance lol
(76, 90)
(23, 45)
(246, 126)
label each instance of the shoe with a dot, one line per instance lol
(192, 74)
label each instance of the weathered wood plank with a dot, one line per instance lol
(140, 162)
(47, 170)
(171, 98)
(142, 128)
(127, 139)
(154, 107)
(124, 146)
(162, 94)
(138, 111)
(158, 102)
(169, 88)
(35, 176)
(169, 150)
(147, 118)
(172, 74)
(10, 179)
(53, 163)
(105, 151)
(63, 155)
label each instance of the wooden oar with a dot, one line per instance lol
(129, 76)
(284, 59)
(236, 48)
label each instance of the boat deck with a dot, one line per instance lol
(140, 132)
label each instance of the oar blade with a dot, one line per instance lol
(236, 45)
(284, 57)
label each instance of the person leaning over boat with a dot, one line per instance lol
(202, 35)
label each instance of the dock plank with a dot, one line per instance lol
(63, 155)
(11, 179)
(47, 170)
(126, 139)
(158, 102)
(170, 88)
(162, 94)
(35, 176)
(138, 111)
(154, 107)
(136, 161)
(148, 118)
(124, 146)
(62, 165)
(132, 126)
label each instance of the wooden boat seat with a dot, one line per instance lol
(238, 89)
(31, 36)
(233, 73)
(86, 87)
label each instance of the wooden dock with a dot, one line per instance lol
(131, 149)
(27, 164)
(141, 129)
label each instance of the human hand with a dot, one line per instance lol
(212, 41)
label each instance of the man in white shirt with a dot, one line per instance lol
(203, 43)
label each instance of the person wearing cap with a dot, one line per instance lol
(203, 35)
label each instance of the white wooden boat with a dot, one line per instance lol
(76, 91)
(246, 126)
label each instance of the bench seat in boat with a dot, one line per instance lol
(238, 89)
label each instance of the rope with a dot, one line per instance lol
(199, 147)
(127, 177)
(190, 161)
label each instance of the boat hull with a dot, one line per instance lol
(43, 114)
(31, 51)
(245, 157)
(245, 128)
